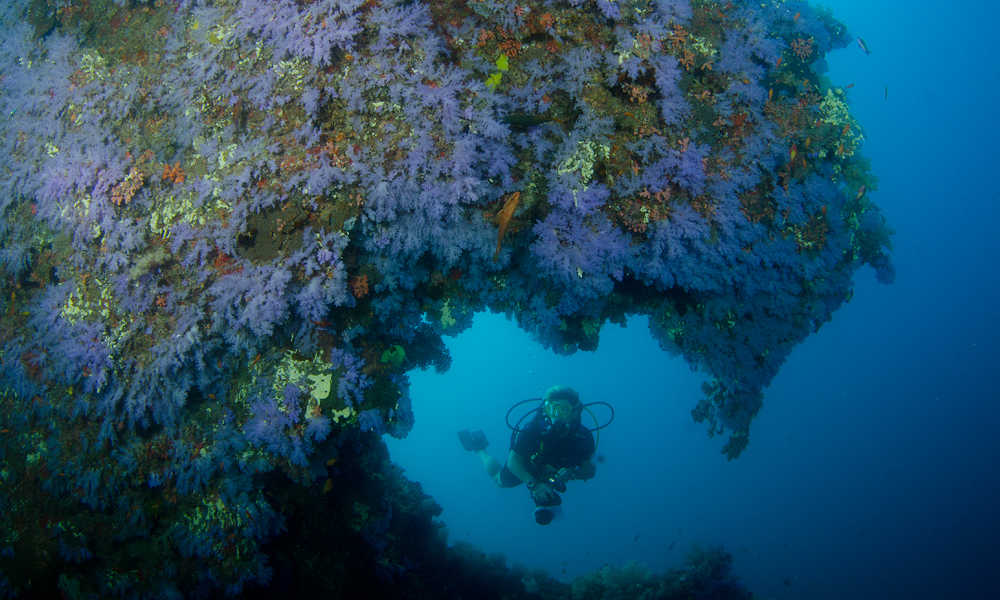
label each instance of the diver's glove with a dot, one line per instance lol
(584, 472)
(566, 474)
(541, 492)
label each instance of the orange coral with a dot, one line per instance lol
(510, 47)
(679, 37)
(126, 189)
(687, 60)
(173, 173)
(638, 94)
(662, 196)
(359, 286)
(803, 48)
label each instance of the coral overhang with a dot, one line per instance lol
(217, 218)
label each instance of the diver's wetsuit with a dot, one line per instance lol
(542, 449)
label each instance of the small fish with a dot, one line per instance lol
(808, 140)
(636, 537)
(327, 486)
(671, 546)
(886, 92)
(864, 46)
(822, 209)
(861, 192)
(792, 152)
(770, 93)
(503, 219)
(525, 121)
(331, 462)
(778, 64)
(846, 129)
(796, 17)
(848, 86)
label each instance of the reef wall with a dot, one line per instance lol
(230, 228)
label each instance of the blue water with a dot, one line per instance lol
(873, 470)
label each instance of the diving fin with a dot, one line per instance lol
(472, 441)
(479, 441)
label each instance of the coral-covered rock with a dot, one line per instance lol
(217, 217)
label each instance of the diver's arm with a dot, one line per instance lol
(517, 466)
(540, 490)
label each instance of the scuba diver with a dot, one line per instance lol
(553, 448)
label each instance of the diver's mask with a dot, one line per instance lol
(559, 415)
